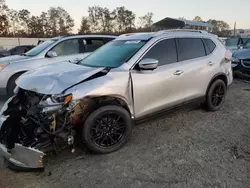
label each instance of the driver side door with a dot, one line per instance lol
(155, 90)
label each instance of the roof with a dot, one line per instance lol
(173, 23)
(147, 36)
(85, 36)
(136, 36)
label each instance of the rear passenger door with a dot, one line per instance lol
(195, 65)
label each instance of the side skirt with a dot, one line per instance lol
(170, 109)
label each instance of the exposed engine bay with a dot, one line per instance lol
(34, 125)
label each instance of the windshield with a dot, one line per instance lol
(231, 42)
(247, 44)
(113, 54)
(38, 49)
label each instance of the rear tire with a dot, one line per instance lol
(215, 96)
(107, 129)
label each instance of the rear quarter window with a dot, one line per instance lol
(210, 45)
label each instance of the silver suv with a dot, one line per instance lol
(66, 48)
(131, 77)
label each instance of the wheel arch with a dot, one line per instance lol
(105, 100)
(90, 103)
(221, 76)
(12, 76)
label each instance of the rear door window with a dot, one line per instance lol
(190, 48)
(91, 45)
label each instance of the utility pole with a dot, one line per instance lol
(234, 28)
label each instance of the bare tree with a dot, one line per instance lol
(13, 20)
(24, 18)
(94, 18)
(85, 27)
(35, 25)
(198, 19)
(146, 21)
(125, 19)
(106, 18)
(220, 28)
(57, 21)
(4, 23)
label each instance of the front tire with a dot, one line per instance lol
(216, 95)
(107, 129)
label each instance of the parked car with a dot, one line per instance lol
(16, 50)
(241, 61)
(130, 78)
(67, 48)
(233, 43)
(223, 40)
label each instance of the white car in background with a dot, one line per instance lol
(66, 48)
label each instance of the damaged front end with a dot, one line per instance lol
(32, 124)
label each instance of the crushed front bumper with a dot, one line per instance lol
(20, 158)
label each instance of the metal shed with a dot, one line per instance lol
(174, 23)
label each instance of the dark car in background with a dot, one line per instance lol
(16, 50)
(235, 43)
(241, 61)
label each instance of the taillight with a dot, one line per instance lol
(228, 55)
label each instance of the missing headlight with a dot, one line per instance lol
(61, 98)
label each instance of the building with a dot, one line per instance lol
(6, 43)
(173, 23)
(241, 32)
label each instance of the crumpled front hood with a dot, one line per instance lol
(242, 54)
(55, 78)
(12, 58)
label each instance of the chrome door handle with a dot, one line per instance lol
(210, 63)
(178, 72)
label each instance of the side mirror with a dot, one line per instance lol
(148, 64)
(51, 54)
(240, 46)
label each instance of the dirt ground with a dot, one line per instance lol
(187, 148)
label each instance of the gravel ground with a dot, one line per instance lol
(187, 148)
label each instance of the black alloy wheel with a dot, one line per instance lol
(216, 95)
(107, 129)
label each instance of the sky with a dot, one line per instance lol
(227, 10)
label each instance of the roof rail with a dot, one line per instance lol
(178, 30)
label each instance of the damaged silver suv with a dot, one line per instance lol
(130, 78)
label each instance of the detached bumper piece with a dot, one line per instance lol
(23, 159)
